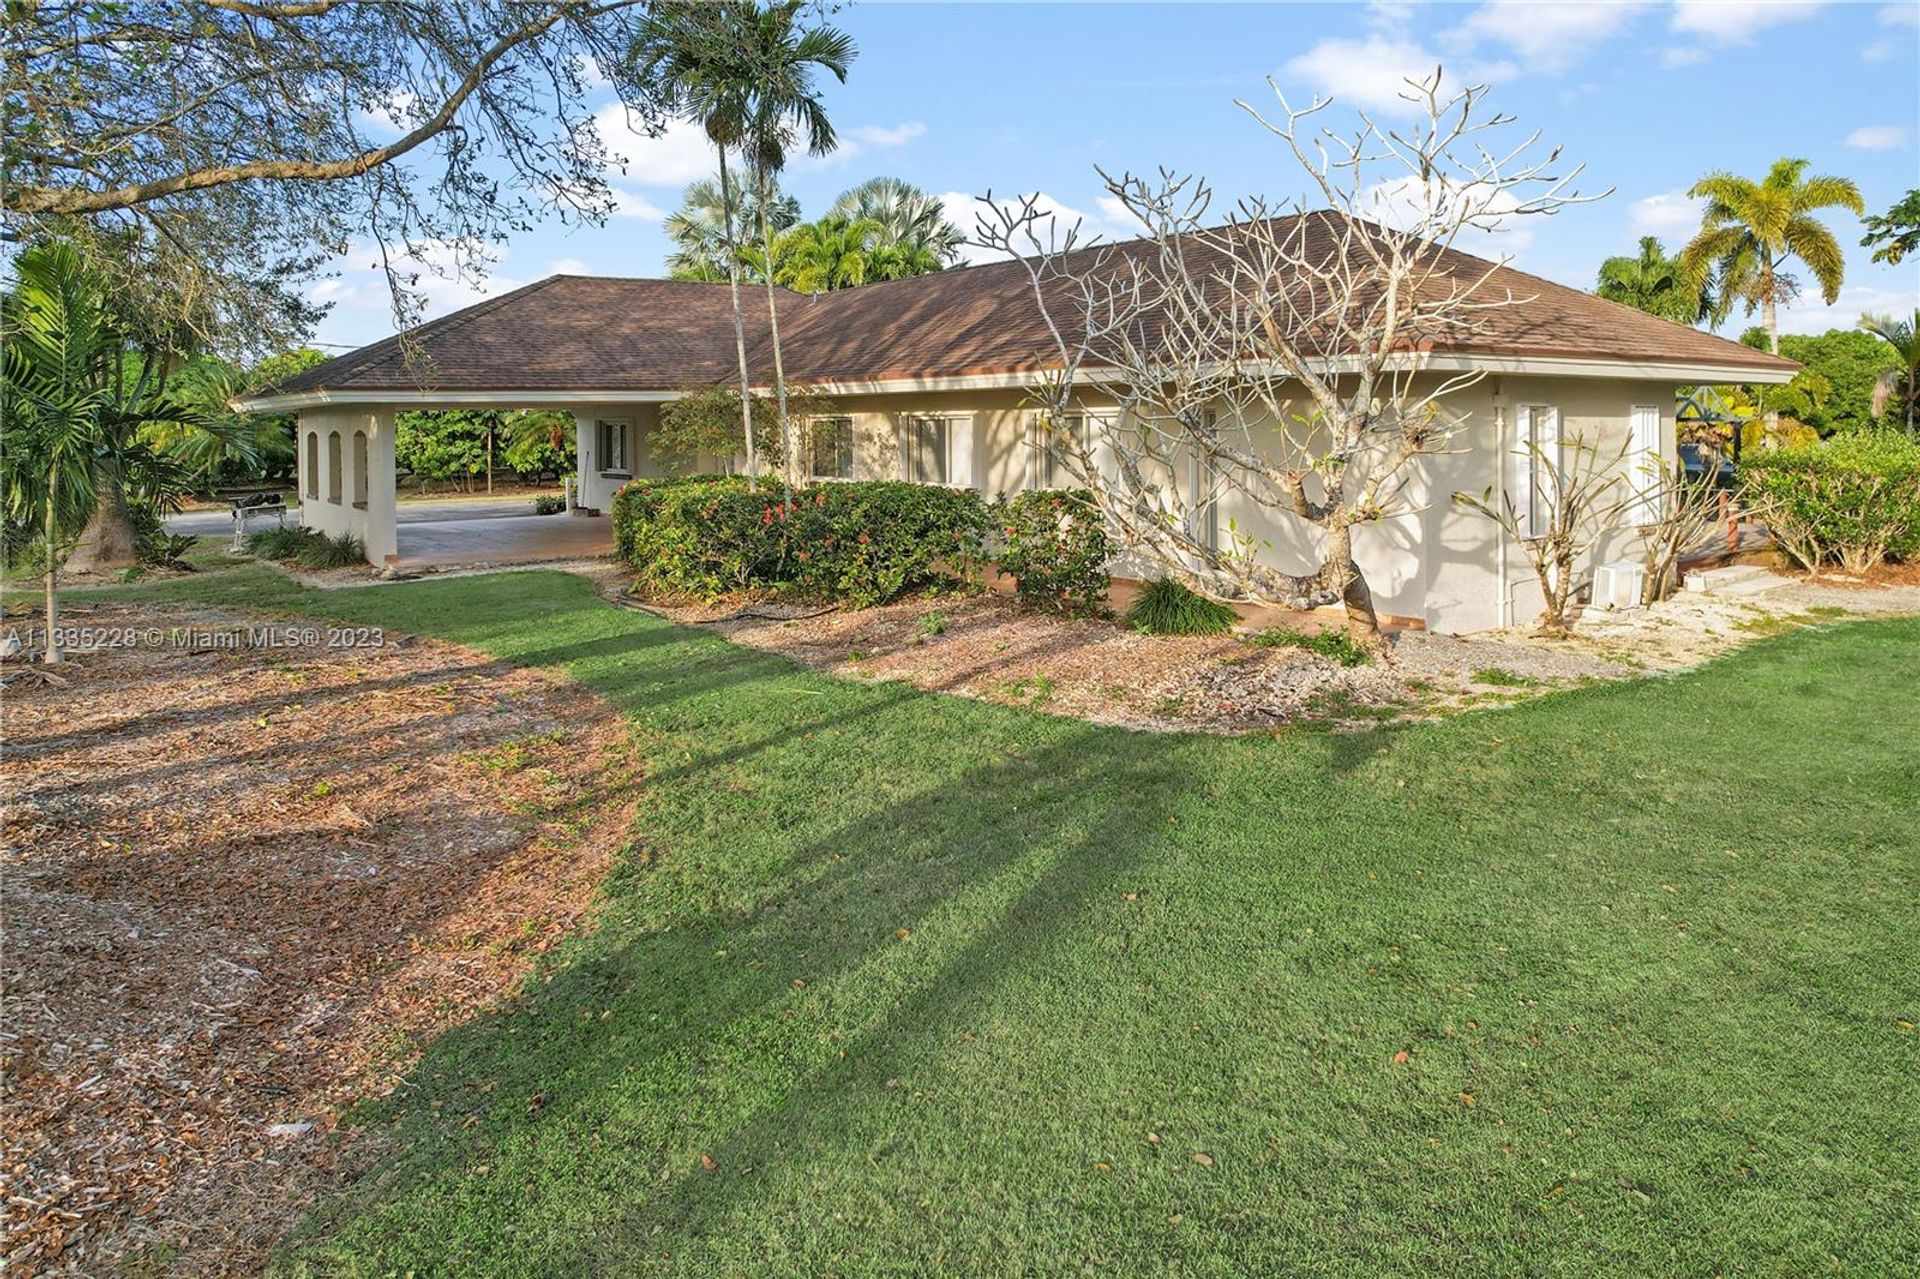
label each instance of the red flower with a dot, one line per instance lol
(864, 539)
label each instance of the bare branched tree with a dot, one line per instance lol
(1687, 509)
(1580, 491)
(1281, 356)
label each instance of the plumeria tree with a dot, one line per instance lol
(1279, 354)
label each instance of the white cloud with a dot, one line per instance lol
(1877, 137)
(568, 266)
(1669, 213)
(678, 156)
(391, 117)
(444, 274)
(1492, 231)
(860, 140)
(1808, 314)
(1547, 37)
(1900, 15)
(1112, 221)
(1674, 58)
(1738, 21)
(1372, 72)
(631, 204)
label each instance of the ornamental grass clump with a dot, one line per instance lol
(1167, 607)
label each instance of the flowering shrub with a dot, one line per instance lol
(1054, 544)
(865, 542)
(1853, 499)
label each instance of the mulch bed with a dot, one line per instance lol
(990, 647)
(243, 888)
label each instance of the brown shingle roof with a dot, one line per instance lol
(575, 333)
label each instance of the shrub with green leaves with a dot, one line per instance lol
(1334, 644)
(307, 548)
(549, 504)
(1851, 500)
(863, 543)
(1167, 607)
(1054, 545)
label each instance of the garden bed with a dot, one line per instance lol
(243, 888)
(993, 648)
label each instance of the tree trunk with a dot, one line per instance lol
(739, 324)
(1363, 623)
(773, 328)
(54, 655)
(107, 542)
(1770, 316)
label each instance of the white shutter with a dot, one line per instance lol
(960, 456)
(1643, 462)
(1520, 486)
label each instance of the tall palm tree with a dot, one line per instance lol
(1904, 337)
(1654, 283)
(690, 55)
(699, 229)
(784, 108)
(910, 220)
(1751, 230)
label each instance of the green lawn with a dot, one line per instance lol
(898, 984)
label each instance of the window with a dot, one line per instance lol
(613, 447)
(1643, 463)
(929, 443)
(830, 448)
(1536, 460)
(333, 467)
(313, 464)
(1050, 449)
(1203, 511)
(360, 469)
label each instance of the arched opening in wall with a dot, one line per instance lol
(360, 470)
(313, 464)
(333, 467)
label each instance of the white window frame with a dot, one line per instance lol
(1645, 462)
(1536, 438)
(912, 447)
(1203, 510)
(1045, 459)
(605, 431)
(846, 452)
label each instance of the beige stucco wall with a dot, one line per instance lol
(357, 497)
(1437, 562)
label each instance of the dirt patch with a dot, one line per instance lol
(989, 647)
(243, 887)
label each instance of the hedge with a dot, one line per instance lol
(863, 542)
(1851, 500)
(1054, 545)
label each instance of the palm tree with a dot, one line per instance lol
(911, 222)
(783, 107)
(689, 54)
(1904, 337)
(833, 253)
(1654, 283)
(77, 428)
(1750, 230)
(700, 232)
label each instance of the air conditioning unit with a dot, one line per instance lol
(1618, 585)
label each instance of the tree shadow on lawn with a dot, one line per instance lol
(792, 1036)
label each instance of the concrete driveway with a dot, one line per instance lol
(459, 532)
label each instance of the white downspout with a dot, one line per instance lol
(1499, 489)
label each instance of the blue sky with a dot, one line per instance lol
(963, 99)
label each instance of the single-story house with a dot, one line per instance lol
(931, 379)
